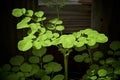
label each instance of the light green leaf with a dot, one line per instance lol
(60, 28)
(50, 26)
(56, 21)
(67, 41)
(29, 13)
(48, 58)
(39, 13)
(101, 38)
(22, 25)
(23, 10)
(26, 19)
(17, 12)
(17, 60)
(102, 72)
(25, 44)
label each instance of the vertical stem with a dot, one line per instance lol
(89, 54)
(66, 66)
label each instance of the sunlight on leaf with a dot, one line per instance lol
(17, 12)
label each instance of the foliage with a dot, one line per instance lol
(104, 66)
(36, 66)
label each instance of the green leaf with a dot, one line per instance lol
(117, 71)
(45, 77)
(78, 58)
(110, 60)
(87, 60)
(17, 60)
(35, 68)
(29, 13)
(56, 21)
(48, 58)
(39, 13)
(110, 52)
(39, 52)
(58, 77)
(6, 67)
(101, 38)
(52, 67)
(23, 10)
(80, 48)
(40, 73)
(15, 69)
(50, 26)
(98, 54)
(26, 19)
(17, 12)
(34, 59)
(67, 41)
(115, 45)
(60, 28)
(25, 44)
(102, 72)
(22, 25)
(25, 67)
(93, 77)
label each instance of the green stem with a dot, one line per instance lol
(66, 66)
(89, 52)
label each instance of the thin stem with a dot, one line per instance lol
(89, 52)
(66, 66)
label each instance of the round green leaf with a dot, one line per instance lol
(101, 38)
(45, 77)
(25, 44)
(98, 54)
(29, 13)
(60, 28)
(35, 68)
(78, 58)
(58, 77)
(50, 26)
(115, 45)
(56, 21)
(80, 48)
(102, 72)
(34, 59)
(17, 12)
(117, 71)
(15, 69)
(39, 52)
(93, 77)
(26, 19)
(39, 13)
(53, 67)
(25, 67)
(67, 41)
(48, 58)
(17, 60)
